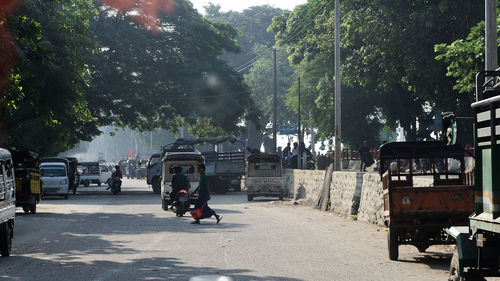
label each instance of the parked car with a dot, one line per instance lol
(55, 176)
(264, 176)
(7, 202)
(28, 182)
(94, 172)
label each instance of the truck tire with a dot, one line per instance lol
(26, 209)
(156, 184)
(250, 197)
(164, 204)
(32, 209)
(5, 239)
(392, 244)
(98, 183)
(455, 270)
(86, 183)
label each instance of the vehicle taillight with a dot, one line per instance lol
(239, 177)
(220, 177)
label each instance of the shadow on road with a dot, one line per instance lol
(434, 260)
(135, 269)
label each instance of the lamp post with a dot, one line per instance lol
(337, 100)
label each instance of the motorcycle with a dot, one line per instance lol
(116, 185)
(182, 204)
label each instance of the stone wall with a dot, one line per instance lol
(351, 193)
(342, 191)
(304, 185)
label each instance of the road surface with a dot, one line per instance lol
(97, 236)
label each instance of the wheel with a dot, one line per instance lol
(26, 209)
(156, 185)
(455, 271)
(250, 197)
(281, 197)
(98, 183)
(74, 190)
(5, 239)
(66, 196)
(164, 204)
(32, 209)
(86, 183)
(392, 243)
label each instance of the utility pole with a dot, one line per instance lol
(299, 137)
(275, 107)
(337, 100)
(490, 35)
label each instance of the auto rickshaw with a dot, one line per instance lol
(28, 183)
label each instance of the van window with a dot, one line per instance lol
(53, 171)
(186, 169)
(154, 160)
(104, 169)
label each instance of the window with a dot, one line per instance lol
(53, 171)
(186, 169)
(154, 160)
(104, 169)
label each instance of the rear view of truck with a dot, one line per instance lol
(478, 246)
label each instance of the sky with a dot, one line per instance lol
(239, 5)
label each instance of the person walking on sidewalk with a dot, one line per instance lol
(202, 211)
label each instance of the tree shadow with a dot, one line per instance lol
(30, 268)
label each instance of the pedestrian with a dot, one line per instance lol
(286, 151)
(295, 150)
(202, 211)
(366, 158)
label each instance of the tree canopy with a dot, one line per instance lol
(83, 64)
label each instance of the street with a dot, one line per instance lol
(97, 236)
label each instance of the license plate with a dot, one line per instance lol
(182, 199)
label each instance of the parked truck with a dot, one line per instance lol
(224, 160)
(477, 253)
(7, 202)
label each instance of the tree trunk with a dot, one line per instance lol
(325, 193)
(254, 137)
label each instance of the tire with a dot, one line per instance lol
(5, 239)
(250, 197)
(66, 196)
(32, 209)
(281, 198)
(180, 210)
(26, 209)
(86, 183)
(156, 185)
(98, 183)
(74, 190)
(455, 272)
(164, 204)
(392, 244)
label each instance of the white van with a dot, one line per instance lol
(55, 180)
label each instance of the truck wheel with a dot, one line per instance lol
(250, 197)
(392, 243)
(5, 239)
(66, 196)
(32, 209)
(26, 209)
(74, 190)
(156, 185)
(281, 197)
(98, 183)
(164, 204)
(86, 183)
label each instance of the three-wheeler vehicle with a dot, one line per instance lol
(264, 176)
(477, 253)
(188, 161)
(416, 214)
(7, 202)
(28, 181)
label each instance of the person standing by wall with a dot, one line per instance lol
(366, 158)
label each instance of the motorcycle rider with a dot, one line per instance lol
(179, 181)
(116, 174)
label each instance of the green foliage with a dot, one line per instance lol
(389, 69)
(45, 92)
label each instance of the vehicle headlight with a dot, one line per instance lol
(64, 181)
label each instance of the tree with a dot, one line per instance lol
(44, 96)
(387, 51)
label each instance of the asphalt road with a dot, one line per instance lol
(97, 236)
